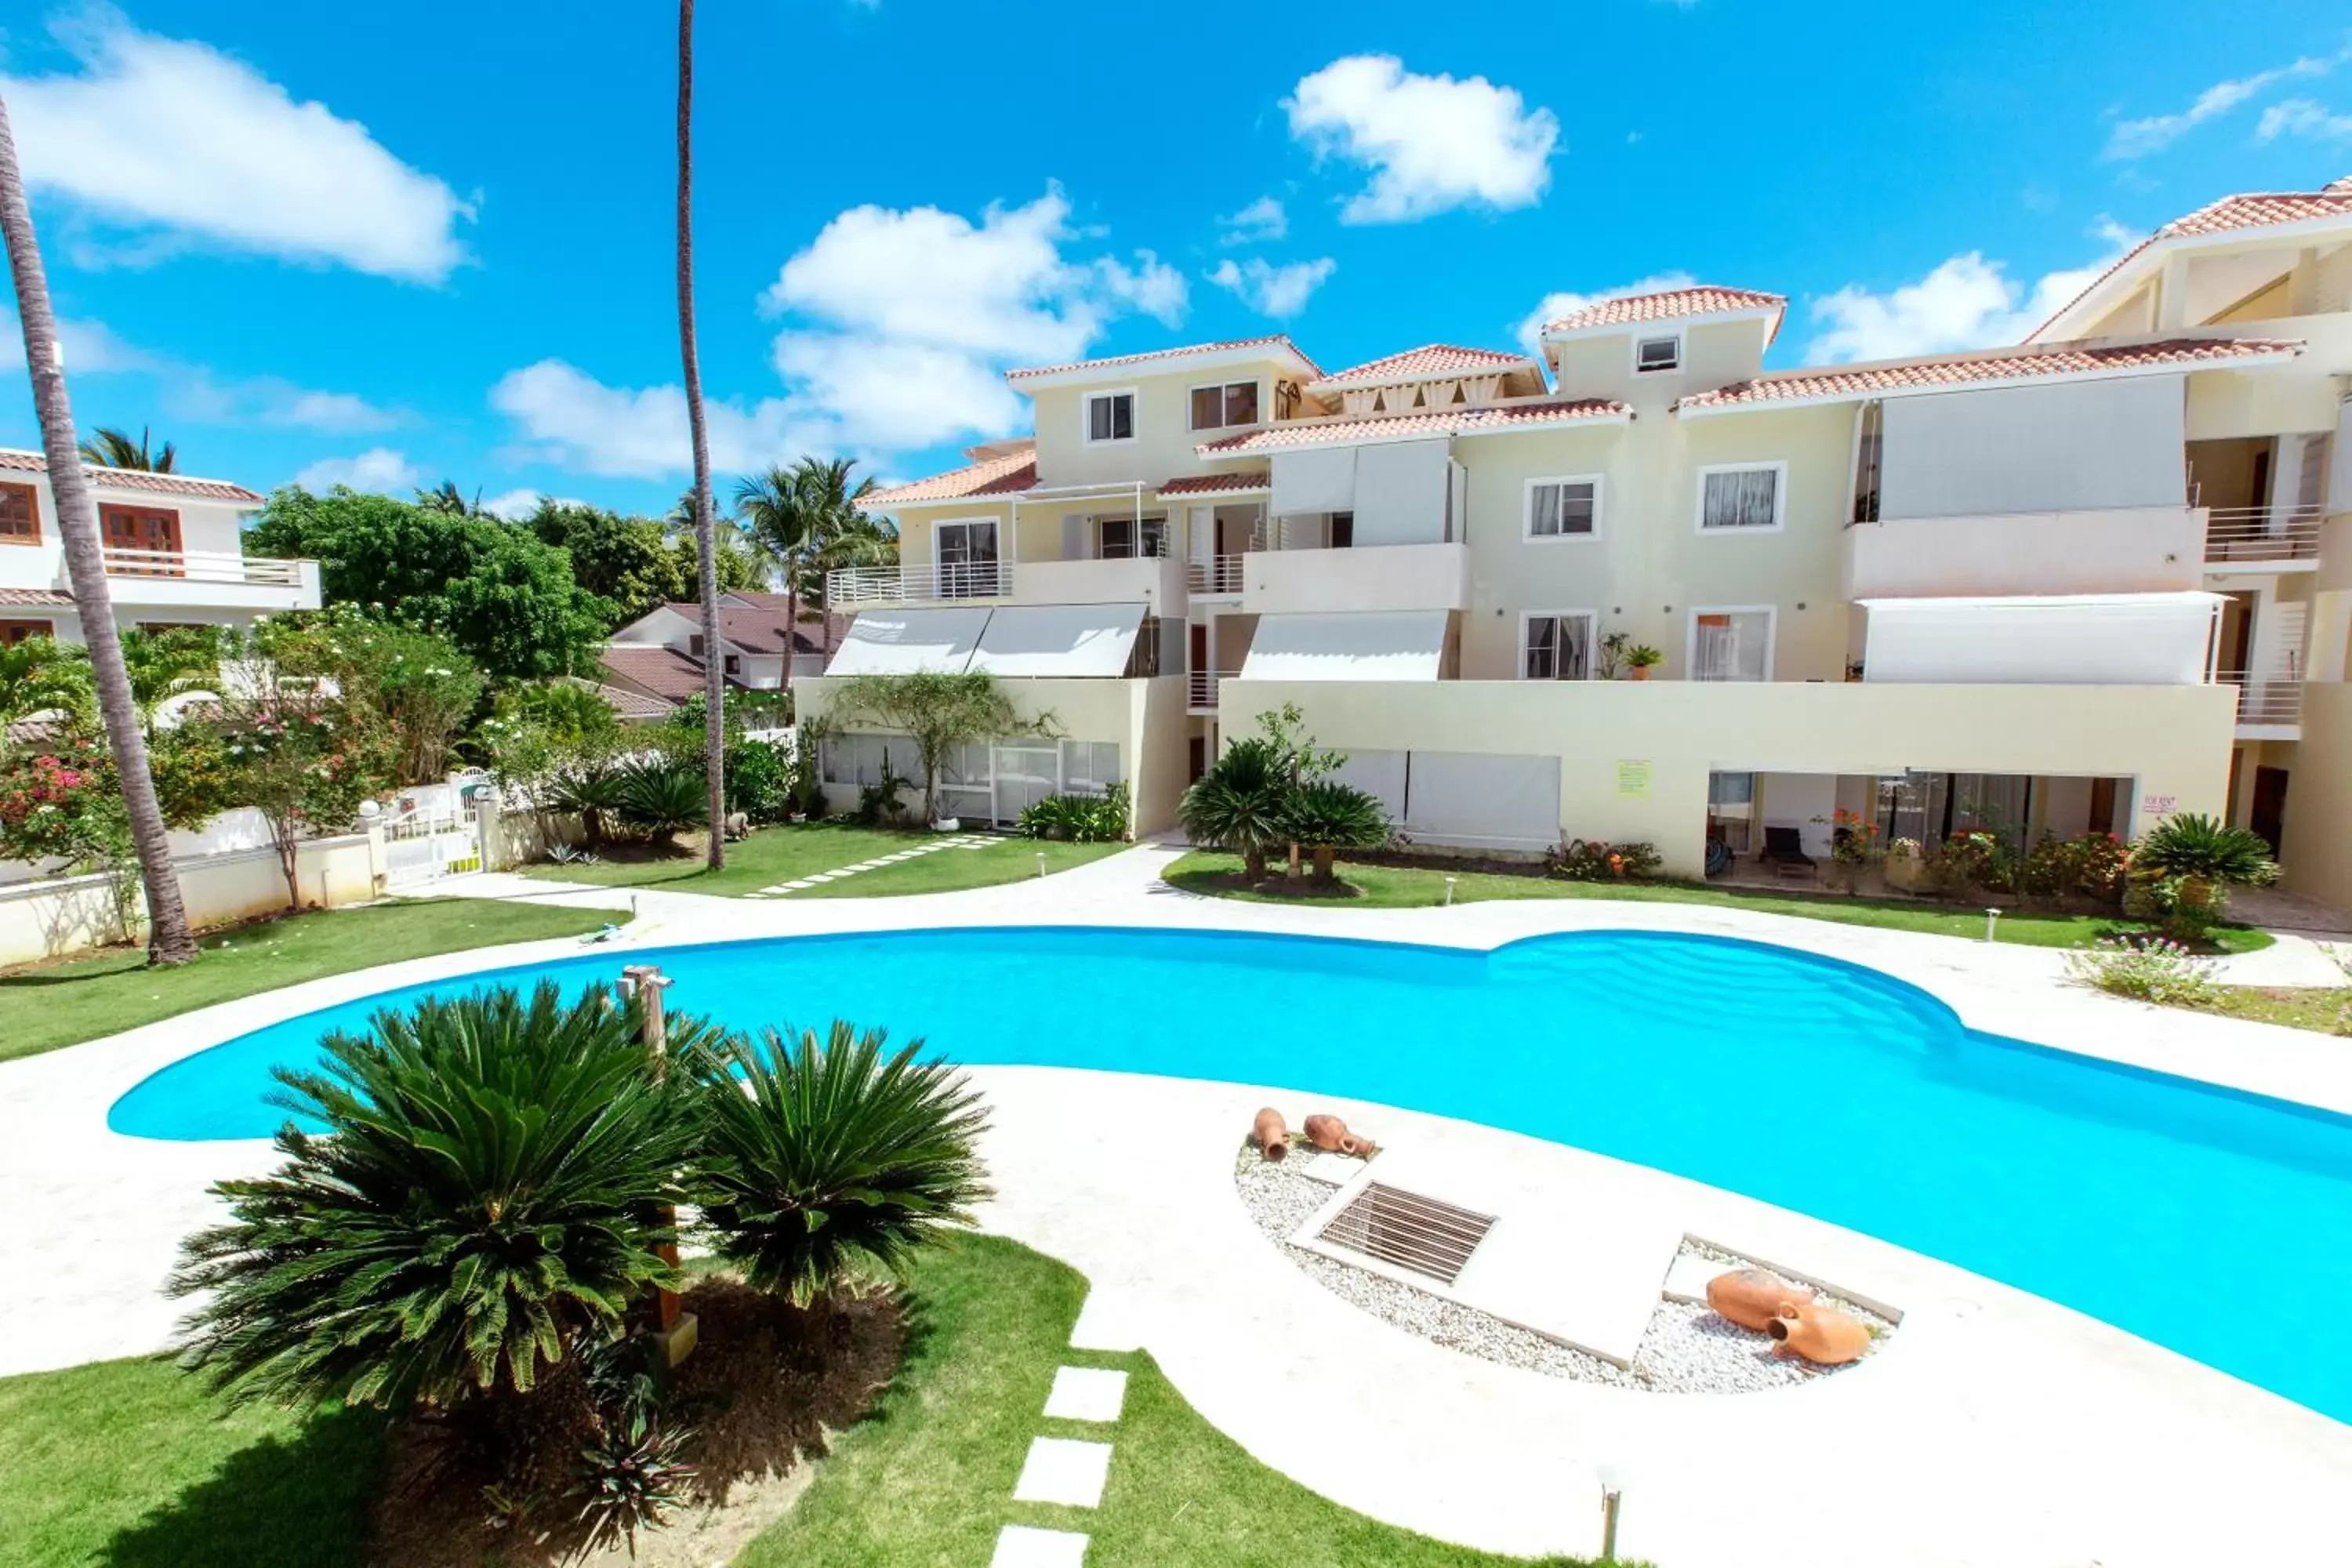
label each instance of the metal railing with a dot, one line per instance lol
(1217, 575)
(2259, 534)
(860, 585)
(2270, 699)
(1204, 684)
(198, 566)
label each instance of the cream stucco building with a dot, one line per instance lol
(2072, 585)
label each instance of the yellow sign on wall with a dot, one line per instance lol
(1633, 777)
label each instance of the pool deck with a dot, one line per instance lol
(1994, 1429)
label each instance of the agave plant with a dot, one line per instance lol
(1239, 803)
(2206, 855)
(822, 1157)
(1329, 817)
(661, 799)
(487, 1189)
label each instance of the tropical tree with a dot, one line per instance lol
(449, 501)
(825, 1158)
(170, 663)
(627, 561)
(1328, 816)
(2206, 856)
(43, 676)
(484, 1193)
(417, 687)
(169, 941)
(807, 520)
(938, 712)
(111, 448)
(1241, 804)
(706, 533)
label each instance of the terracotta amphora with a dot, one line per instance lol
(1273, 1139)
(1822, 1335)
(1752, 1298)
(1330, 1133)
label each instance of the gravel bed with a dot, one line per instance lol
(1686, 1349)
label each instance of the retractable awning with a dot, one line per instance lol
(1058, 640)
(1399, 646)
(901, 642)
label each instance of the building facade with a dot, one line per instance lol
(2070, 586)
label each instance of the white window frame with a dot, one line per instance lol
(1779, 467)
(1221, 388)
(939, 525)
(1591, 619)
(1641, 338)
(1134, 418)
(1527, 508)
(1771, 614)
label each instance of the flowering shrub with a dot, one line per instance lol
(1854, 838)
(1598, 860)
(60, 803)
(2154, 969)
(1974, 860)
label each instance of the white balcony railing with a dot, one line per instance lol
(197, 566)
(2236, 534)
(2266, 700)
(1217, 575)
(856, 587)
(1203, 683)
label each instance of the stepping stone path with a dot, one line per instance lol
(1066, 1471)
(952, 841)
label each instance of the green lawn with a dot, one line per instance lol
(790, 852)
(127, 1464)
(61, 1004)
(1412, 886)
(2327, 1009)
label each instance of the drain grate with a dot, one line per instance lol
(1408, 1230)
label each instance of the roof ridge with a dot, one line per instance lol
(1021, 372)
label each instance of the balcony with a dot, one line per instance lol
(862, 587)
(1157, 582)
(196, 579)
(1202, 687)
(2270, 707)
(2124, 550)
(2265, 539)
(1218, 574)
(1361, 578)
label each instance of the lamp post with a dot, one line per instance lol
(1611, 1474)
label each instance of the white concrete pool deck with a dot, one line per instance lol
(1994, 1429)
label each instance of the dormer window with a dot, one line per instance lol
(1110, 416)
(1658, 353)
(1217, 407)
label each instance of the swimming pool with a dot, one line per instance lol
(2215, 1223)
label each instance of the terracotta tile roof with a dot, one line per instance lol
(1457, 421)
(1002, 476)
(2054, 360)
(49, 598)
(135, 480)
(1429, 362)
(627, 704)
(1214, 484)
(1272, 340)
(649, 667)
(1700, 300)
(2260, 209)
(760, 627)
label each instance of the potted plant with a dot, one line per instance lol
(1613, 654)
(1907, 865)
(1640, 659)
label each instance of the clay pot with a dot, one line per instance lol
(1753, 1298)
(1330, 1133)
(1822, 1335)
(1273, 1139)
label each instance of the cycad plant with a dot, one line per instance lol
(2206, 856)
(661, 799)
(1328, 816)
(825, 1157)
(1239, 804)
(591, 791)
(486, 1192)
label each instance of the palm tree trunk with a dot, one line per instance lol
(714, 673)
(168, 942)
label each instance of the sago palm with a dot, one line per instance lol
(2205, 853)
(1328, 816)
(486, 1188)
(1239, 803)
(826, 1157)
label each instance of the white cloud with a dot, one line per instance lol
(192, 392)
(2302, 117)
(1432, 142)
(1965, 302)
(1270, 291)
(165, 134)
(1552, 307)
(379, 468)
(570, 417)
(1257, 224)
(1151, 286)
(514, 505)
(2152, 134)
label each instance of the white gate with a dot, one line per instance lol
(420, 848)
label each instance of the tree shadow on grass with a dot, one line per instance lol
(298, 1502)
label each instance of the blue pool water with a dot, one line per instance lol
(2215, 1223)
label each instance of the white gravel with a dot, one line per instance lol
(1686, 1349)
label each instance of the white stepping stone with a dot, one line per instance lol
(792, 887)
(1087, 1393)
(1063, 1470)
(1022, 1546)
(1687, 1277)
(1322, 1165)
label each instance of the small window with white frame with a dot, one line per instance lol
(1568, 507)
(1731, 643)
(1556, 645)
(1742, 498)
(1663, 352)
(1110, 416)
(1220, 407)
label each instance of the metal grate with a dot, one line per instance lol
(1408, 1230)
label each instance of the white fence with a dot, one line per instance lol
(70, 914)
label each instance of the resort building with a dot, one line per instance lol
(1636, 586)
(660, 657)
(174, 554)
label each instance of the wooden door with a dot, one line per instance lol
(150, 539)
(2269, 818)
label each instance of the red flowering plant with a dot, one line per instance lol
(59, 801)
(1854, 838)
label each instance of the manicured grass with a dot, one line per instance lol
(61, 1004)
(1414, 887)
(129, 1464)
(791, 851)
(2327, 1009)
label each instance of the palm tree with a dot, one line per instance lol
(446, 497)
(168, 938)
(41, 676)
(706, 538)
(2206, 856)
(1328, 816)
(771, 508)
(1239, 804)
(111, 448)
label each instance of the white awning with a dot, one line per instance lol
(1058, 640)
(1401, 645)
(2086, 640)
(901, 642)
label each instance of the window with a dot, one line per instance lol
(1556, 646)
(1731, 645)
(857, 760)
(1747, 496)
(731, 665)
(1657, 353)
(1089, 767)
(1343, 530)
(1123, 539)
(966, 567)
(1725, 791)
(1564, 507)
(1110, 416)
(13, 632)
(694, 644)
(141, 542)
(20, 515)
(1215, 407)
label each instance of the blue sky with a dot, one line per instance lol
(434, 241)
